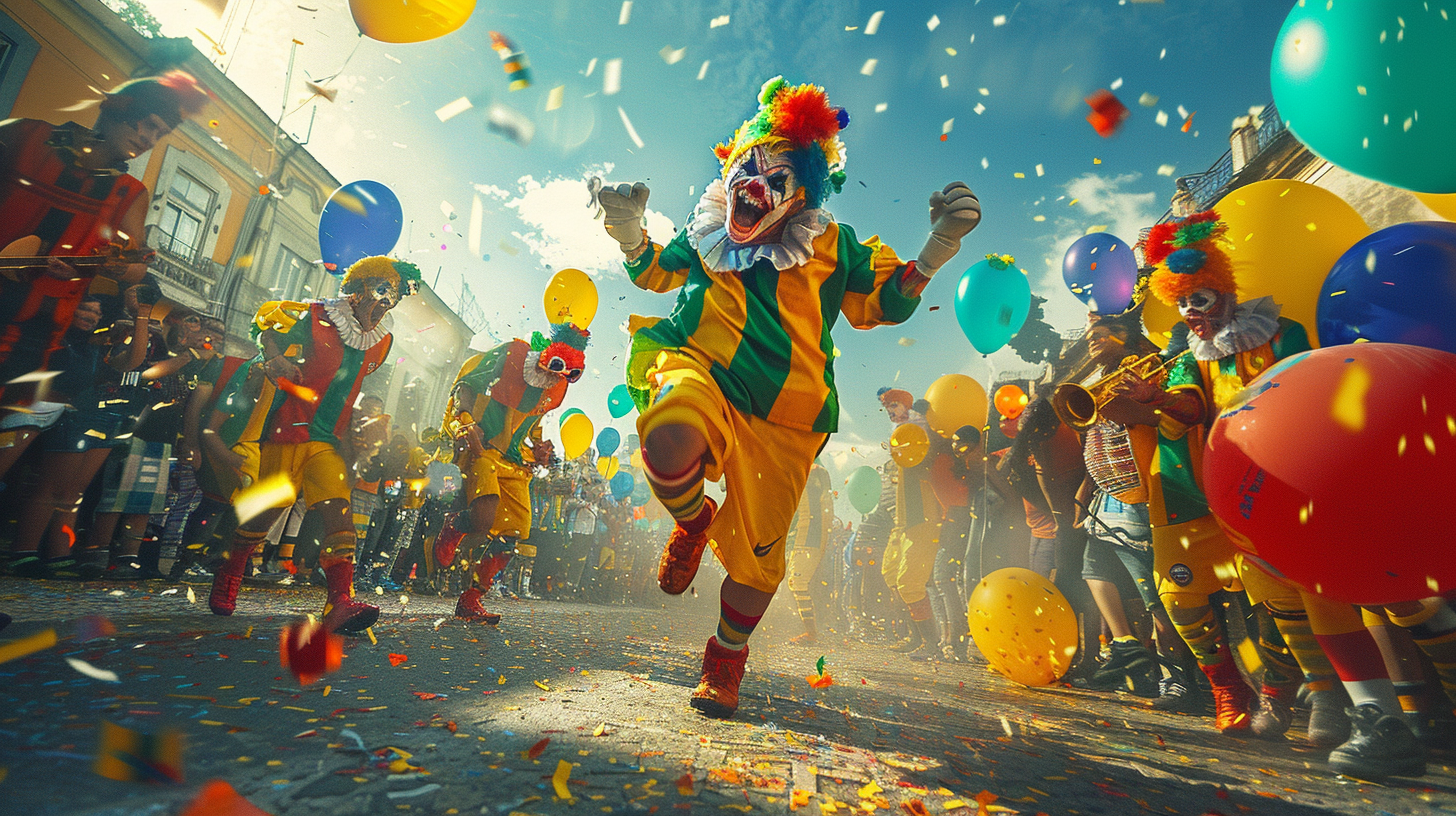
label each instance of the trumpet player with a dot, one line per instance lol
(1231, 344)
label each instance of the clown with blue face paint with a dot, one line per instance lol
(738, 382)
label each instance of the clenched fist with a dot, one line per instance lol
(623, 207)
(954, 212)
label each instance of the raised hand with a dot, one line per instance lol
(954, 212)
(623, 207)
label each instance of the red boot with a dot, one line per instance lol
(717, 693)
(684, 551)
(228, 578)
(470, 608)
(448, 541)
(1231, 695)
(342, 613)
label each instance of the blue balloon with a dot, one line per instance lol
(1101, 271)
(622, 485)
(1397, 285)
(992, 301)
(641, 493)
(607, 441)
(360, 219)
(619, 401)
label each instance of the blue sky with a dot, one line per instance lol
(1035, 66)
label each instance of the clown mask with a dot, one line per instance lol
(1206, 311)
(373, 298)
(763, 194)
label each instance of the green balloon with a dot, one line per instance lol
(1367, 86)
(864, 489)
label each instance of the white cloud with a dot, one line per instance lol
(1101, 201)
(560, 227)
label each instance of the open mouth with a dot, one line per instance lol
(748, 211)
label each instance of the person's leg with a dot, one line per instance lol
(1130, 665)
(1432, 624)
(63, 478)
(803, 561)
(228, 577)
(1043, 556)
(13, 444)
(131, 540)
(917, 562)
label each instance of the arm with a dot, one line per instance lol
(191, 452)
(133, 225)
(134, 348)
(651, 267)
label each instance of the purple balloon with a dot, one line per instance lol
(1101, 271)
(1397, 285)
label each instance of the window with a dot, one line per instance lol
(184, 217)
(289, 269)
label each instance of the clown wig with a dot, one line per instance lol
(174, 96)
(797, 118)
(1187, 255)
(406, 274)
(566, 341)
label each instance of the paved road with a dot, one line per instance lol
(608, 687)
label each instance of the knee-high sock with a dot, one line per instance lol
(1201, 630)
(488, 568)
(734, 627)
(338, 547)
(681, 493)
(1434, 631)
(1289, 649)
(245, 542)
(1353, 652)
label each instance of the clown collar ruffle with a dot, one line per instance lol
(1255, 323)
(533, 375)
(707, 230)
(348, 326)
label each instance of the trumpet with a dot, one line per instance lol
(1079, 406)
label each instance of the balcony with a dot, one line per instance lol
(196, 278)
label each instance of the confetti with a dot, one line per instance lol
(717, 22)
(869, 67)
(626, 13)
(449, 111)
(535, 751)
(631, 131)
(670, 55)
(563, 768)
(396, 659)
(703, 70)
(510, 123)
(1108, 113)
(91, 671)
(413, 792)
(933, 23)
(273, 491)
(1188, 122)
(1348, 406)
(612, 77)
(884, 106)
(1161, 119)
(874, 24)
(1148, 100)
(944, 81)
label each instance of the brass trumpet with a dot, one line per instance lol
(1080, 405)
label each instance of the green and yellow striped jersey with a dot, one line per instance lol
(764, 333)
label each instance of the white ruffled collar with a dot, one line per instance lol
(533, 375)
(1254, 323)
(707, 230)
(348, 326)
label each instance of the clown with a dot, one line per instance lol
(738, 382)
(909, 557)
(494, 416)
(317, 353)
(1302, 636)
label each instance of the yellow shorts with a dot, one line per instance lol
(909, 560)
(766, 467)
(1194, 559)
(492, 474)
(313, 467)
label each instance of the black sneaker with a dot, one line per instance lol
(1380, 745)
(30, 566)
(1130, 667)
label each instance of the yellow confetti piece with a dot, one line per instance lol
(1348, 407)
(558, 779)
(370, 633)
(870, 790)
(328, 689)
(501, 681)
(248, 635)
(39, 641)
(263, 494)
(1249, 653)
(539, 685)
(601, 730)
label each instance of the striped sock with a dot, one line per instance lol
(337, 547)
(1201, 631)
(1357, 660)
(681, 493)
(734, 627)
(1300, 655)
(1434, 631)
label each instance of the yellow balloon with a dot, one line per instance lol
(608, 466)
(571, 296)
(1159, 320)
(409, 21)
(1023, 626)
(1283, 238)
(908, 445)
(955, 400)
(576, 435)
(1444, 205)
(636, 459)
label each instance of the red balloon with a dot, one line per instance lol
(1336, 467)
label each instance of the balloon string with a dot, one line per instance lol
(346, 61)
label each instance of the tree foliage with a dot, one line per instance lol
(1037, 341)
(136, 15)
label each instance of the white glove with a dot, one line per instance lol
(623, 207)
(954, 212)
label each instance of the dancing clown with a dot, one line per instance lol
(318, 352)
(494, 416)
(738, 382)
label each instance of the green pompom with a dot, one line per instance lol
(539, 341)
(837, 179)
(766, 93)
(1193, 233)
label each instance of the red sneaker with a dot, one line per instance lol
(684, 551)
(469, 608)
(343, 612)
(448, 541)
(717, 693)
(224, 597)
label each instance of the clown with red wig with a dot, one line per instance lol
(494, 416)
(738, 382)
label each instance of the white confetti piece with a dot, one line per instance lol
(983, 91)
(884, 106)
(933, 23)
(979, 109)
(447, 210)
(670, 55)
(907, 341)
(1163, 53)
(985, 163)
(944, 81)
(874, 24)
(1370, 262)
(703, 71)
(91, 671)
(554, 97)
(869, 66)
(439, 622)
(1040, 171)
(612, 77)
(449, 111)
(718, 22)
(590, 66)
(1182, 112)
(1116, 83)
(477, 216)
(626, 13)
(413, 792)
(631, 131)
(1161, 119)
(1148, 100)
(191, 596)
(172, 591)
(947, 125)
(1165, 169)
(998, 21)
(394, 59)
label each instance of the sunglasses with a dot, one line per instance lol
(556, 365)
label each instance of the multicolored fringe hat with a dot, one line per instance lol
(378, 266)
(800, 118)
(1188, 255)
(566, 342)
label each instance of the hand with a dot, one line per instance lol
(59, 269)
(281, 367)
(1136, 388)
(624, 206)
(471, 439)
(954, 212)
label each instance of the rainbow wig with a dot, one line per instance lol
(798, 119)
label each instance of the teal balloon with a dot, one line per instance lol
(619, 402)
(569, 413)
(621, 485)
(641, 493)
(1367, 85)
(992, 301)
(864, 489)
(607, 441)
